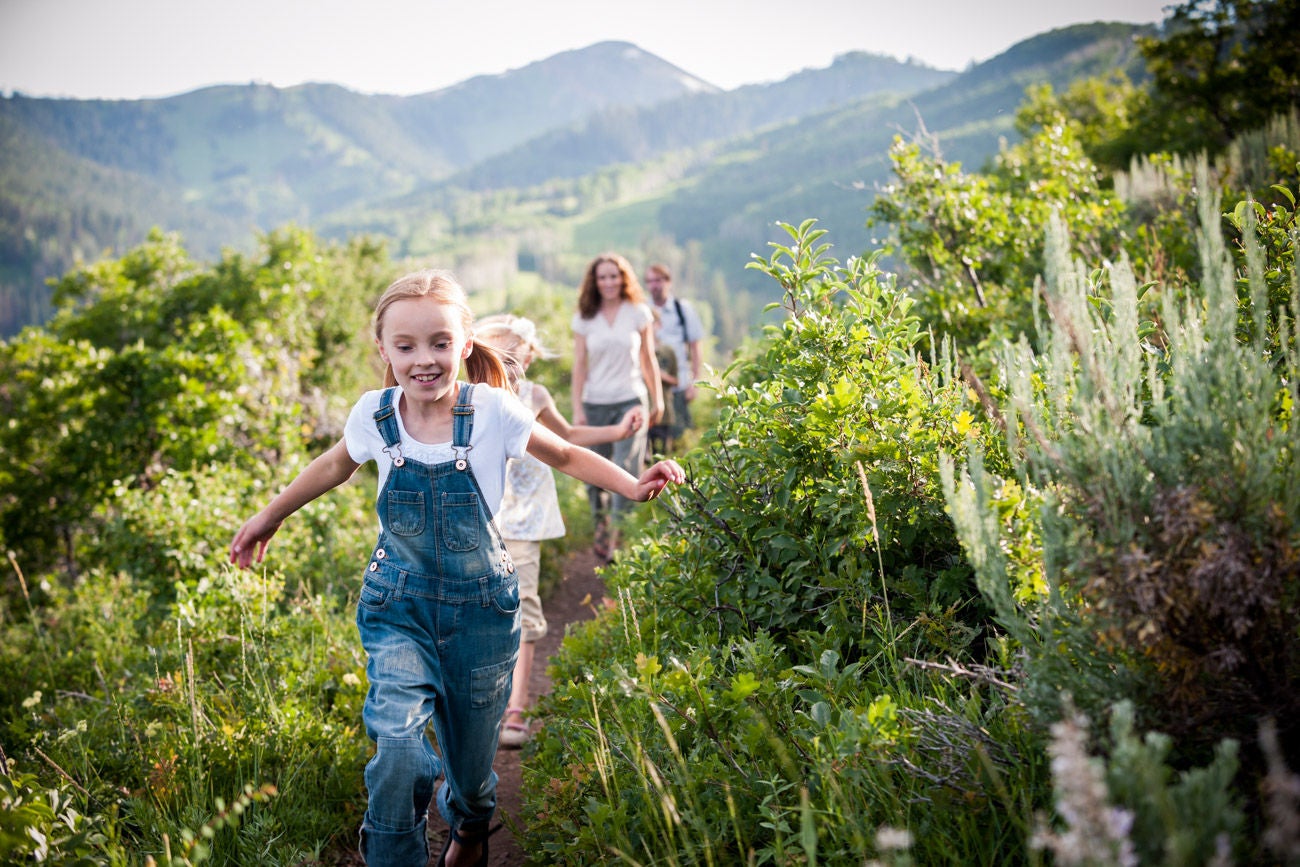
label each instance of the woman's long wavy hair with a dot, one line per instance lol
(483, 363)
(589, 295)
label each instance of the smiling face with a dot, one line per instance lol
(609, 281)
(424, 341)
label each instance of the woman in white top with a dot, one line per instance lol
(614, 370)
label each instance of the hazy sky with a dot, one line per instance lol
(129, 49)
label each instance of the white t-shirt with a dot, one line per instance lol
(671, 333)
(614, 354)
(502, 426)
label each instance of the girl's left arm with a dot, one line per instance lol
(587, 466)
(650, 373)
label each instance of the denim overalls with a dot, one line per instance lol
(439, 620)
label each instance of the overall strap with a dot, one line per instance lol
(386, 421)
(462, 418)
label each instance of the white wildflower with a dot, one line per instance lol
(1095, 832)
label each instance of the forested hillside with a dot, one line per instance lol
(710, 205)
(223, 163)
(531, 170)
(632, 134)
(246, 159)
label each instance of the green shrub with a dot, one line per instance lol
(1169, 485)
(750, 700)
(157, 716)
(43, 826)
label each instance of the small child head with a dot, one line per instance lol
(515, 340)
(440, 287)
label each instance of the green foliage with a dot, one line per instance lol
(1270, 258)
(1128, 806)
(156, 364)
(733, 755)
(43, 825)
(822, 500)
(162, 400)
(1219, 68)
(1168, 477)
(973, 242)
(196, 847)
(750, 700)
(1215, 70)
(237, 683)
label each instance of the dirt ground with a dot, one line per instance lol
(571, 602)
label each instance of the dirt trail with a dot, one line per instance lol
(564, 606)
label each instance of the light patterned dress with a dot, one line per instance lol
(530, 508)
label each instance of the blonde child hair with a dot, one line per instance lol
(515, 340)
(483, 363)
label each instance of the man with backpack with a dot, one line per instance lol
(680, 328)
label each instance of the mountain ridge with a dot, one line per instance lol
(435, 170)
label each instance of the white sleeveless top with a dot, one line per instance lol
(530, 507)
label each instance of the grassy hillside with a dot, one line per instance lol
(710, 206)
(829, 166)
(222, 162)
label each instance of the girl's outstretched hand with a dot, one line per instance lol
(631, 422)
(251, 541)
(658, 477)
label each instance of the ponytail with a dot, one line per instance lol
(484, 365)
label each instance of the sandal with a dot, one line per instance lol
(468, 840)
(600, 545)
(513, 734)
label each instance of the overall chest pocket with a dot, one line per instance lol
(460, 521)
(405, 512)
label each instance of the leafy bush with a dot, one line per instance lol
(972, 243)
(155, 363)
(750, 700)
(816, 502)
(238, 684)
(1169, 485)
(161, 402)
(43, 825)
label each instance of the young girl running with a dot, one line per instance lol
(530, 509)
(438, 613)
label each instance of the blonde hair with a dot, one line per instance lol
(589, 295)
(515, 339)
(483, 364)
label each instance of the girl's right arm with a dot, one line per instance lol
(584, 435)
(325, 473)
(579, 377)
(587, 466)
